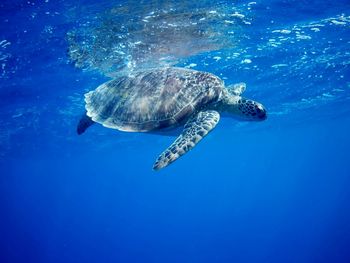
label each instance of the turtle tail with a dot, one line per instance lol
(84, 123)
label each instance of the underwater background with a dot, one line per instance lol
(272, 191)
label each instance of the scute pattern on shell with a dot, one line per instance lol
(152, 100)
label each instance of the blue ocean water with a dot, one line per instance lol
(272, 191)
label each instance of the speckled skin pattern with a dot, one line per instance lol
(159, 99)
(194, 131)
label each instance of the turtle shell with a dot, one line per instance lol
(153, 99)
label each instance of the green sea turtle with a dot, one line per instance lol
(163, 100)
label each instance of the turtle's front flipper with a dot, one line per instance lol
(237, 89)
(195, 129)
(84, 123)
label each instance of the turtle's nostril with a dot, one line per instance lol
(261, 112)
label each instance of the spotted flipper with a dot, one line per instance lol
(194, 131)
(237, 89)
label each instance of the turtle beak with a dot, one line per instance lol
(261, 112)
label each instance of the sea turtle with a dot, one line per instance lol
(161, 100)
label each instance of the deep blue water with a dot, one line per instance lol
(272, 191)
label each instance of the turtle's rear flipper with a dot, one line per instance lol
(194, 131)
(84, 123)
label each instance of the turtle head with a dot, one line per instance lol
(251, 110)
(233, 103)
(242, 108)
